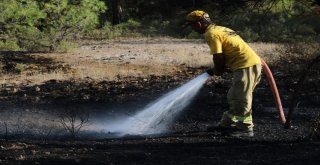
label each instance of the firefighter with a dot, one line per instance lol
(230, 52)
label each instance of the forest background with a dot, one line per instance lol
(57, 25)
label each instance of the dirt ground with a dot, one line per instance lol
(84, 80)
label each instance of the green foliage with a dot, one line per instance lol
(284, 21)
(161, 27)
(65, 19)
(131, 28)
(62, 14)
(41, 25)
(17, 19)
(16, 13)
(249, 34)
(9, 45)
(66, 46)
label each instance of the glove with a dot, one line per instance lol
(210, 72)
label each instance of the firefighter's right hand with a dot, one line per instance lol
(210, 72)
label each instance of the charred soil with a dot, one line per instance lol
(186, 143)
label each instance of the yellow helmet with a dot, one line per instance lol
(197, 15)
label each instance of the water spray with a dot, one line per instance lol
(159, 115)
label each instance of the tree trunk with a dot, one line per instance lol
(116, 11)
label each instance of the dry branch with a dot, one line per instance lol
(73, 121)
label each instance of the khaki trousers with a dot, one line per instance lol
(240, 98)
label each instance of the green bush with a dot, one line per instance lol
(249, 35)
(41, 25)
(131, 28)
(283, 21)
(110, 32)
(9, 45)
(17, 19)
(66, 46)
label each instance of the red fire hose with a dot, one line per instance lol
(274, 90)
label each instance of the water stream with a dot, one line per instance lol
(158, 115)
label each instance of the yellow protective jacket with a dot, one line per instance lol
(237, 52)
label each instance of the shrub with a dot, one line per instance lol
(131, 28)
(42, 25)
(73, 121)
(66, 46)
(17, 19)
(249, 35)
(9, 45)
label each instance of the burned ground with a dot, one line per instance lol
(187, 143)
